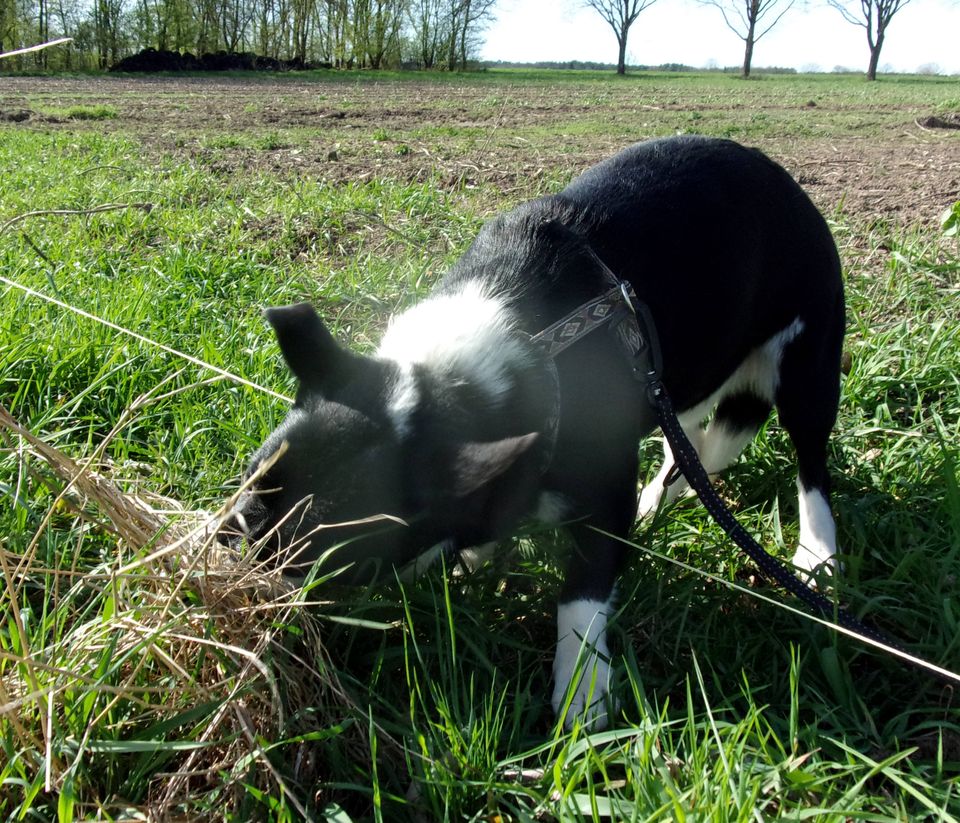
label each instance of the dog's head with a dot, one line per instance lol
(340, 473)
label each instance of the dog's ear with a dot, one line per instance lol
(495, 483)
(478, 464)
(313, 355)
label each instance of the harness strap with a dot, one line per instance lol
(688, 462)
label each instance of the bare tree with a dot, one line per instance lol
(620, 15)
(874, 16)
(750, 20)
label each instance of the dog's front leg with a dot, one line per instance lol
(581, 668)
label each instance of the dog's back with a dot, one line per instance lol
(719, 241)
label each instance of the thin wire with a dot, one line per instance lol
(918, 661)
(143, 339)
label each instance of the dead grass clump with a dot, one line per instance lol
(167, 652)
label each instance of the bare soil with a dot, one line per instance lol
(868, 159)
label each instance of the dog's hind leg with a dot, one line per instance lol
(807, 398)
(656, 491)
(738, 417)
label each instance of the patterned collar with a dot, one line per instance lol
(632, 325)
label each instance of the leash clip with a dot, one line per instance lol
(648, 367)
(673, 475)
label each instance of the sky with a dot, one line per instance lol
(810, 37)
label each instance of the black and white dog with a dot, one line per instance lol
(460, 428)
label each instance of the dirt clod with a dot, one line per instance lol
(15, 116)
(941, 121)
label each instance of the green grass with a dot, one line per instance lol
(155, 689)
(83, 112)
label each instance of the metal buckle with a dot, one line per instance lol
(626, 290)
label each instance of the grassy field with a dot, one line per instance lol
(183, 688)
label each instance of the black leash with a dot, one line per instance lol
(633, 325)
(646, 365)
(686, 458)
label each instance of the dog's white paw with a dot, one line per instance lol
(813, 562)
(588, 702)
(648, 501)
(581, 668)
(473, 558)
(816, 552)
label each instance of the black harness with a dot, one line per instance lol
(633, 325)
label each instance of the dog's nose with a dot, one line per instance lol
(233, 530)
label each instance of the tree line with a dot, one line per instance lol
(429, 34)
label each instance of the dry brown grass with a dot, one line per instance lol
(194, 623)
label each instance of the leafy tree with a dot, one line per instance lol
(347, 33)
(10, 20)
(108, 24)
(475, 14)
(43, 30)
(378, 24)
(426, 23)
(444, 33)
(68, 17)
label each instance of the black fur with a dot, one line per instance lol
(721, 244)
